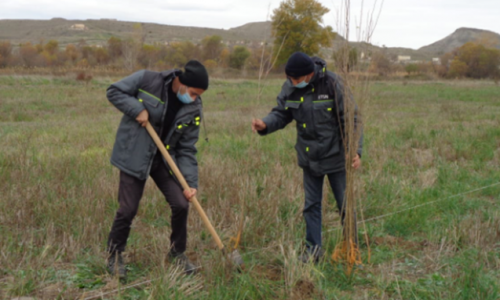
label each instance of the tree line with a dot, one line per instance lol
(296, 26)
(129, 54)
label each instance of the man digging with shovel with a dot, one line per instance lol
(314, 98)
(170, 102)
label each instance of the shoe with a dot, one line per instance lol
(311, 255)
(181, 260)
(116, 267)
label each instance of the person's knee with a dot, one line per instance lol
(127, 214)
(180, 207)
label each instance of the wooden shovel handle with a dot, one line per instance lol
(184, 184)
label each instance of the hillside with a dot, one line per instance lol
(99, 31)
(462, 36)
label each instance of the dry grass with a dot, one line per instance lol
(58, 197)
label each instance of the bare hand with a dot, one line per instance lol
(142, 118)
(189, 193)
(258, 125)
(356, 162)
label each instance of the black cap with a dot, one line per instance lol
(195, 75)
(299, 64)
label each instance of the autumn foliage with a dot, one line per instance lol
(129, 54)
(472, 60)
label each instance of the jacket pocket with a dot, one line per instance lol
(323, 111)
(181, 126)
(294, 108)
(149, 99)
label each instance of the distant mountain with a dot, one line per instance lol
(462, 36)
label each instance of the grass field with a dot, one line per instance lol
(426, 143)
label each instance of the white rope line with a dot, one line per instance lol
(431, 202)
(337, 228)
(420, 205)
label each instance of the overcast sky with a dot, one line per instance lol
(402, 23)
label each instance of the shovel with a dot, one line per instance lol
(235, 255)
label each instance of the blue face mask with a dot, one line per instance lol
(301, 84)
(184, 98)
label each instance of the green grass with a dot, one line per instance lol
(424, 142)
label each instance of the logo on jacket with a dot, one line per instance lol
(322, 97)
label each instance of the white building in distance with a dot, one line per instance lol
(404, 58)
(80, 27)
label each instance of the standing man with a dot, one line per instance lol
(171, 102)
(314, 98)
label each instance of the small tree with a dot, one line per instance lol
(115, 47)
(212, 47)
(101, 55)
(411, 68)
(210, 64)
(239, 57)
(28, 54)
(147, 56)
(179, 53)
(380, 64)
(132, 46)
(71, 53)
(458, 69)
(5, 53)
(52, 47)
(224, 57)
(345, 58)
(296, 26)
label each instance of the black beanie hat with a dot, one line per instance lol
(195, 75)
(299, 64)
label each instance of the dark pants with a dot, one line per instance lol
(313, 188)
(129, 195)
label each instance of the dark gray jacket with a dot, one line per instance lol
(318, 110)
(134, 149)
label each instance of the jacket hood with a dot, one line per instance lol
(318, 62)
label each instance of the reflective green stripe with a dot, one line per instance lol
(313, 90)
(197, 118)
(197, 123)
(324, 70)
(304, 125)
(319, 101)
(141, 90)
(185, 125)
(179, 127)
(140, 100)
(301, 99)
(307, 149)
(293, 101)
(168, 147)
(329, 109)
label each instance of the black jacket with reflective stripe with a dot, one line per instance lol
(134, 149)
(318, 110)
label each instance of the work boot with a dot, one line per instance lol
(181, 260)
(116, 267)
(311, 255)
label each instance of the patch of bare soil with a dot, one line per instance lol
(394, 242)
(273, 273)
(303, 289)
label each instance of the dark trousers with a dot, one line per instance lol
(313, 188)
(129, 195)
